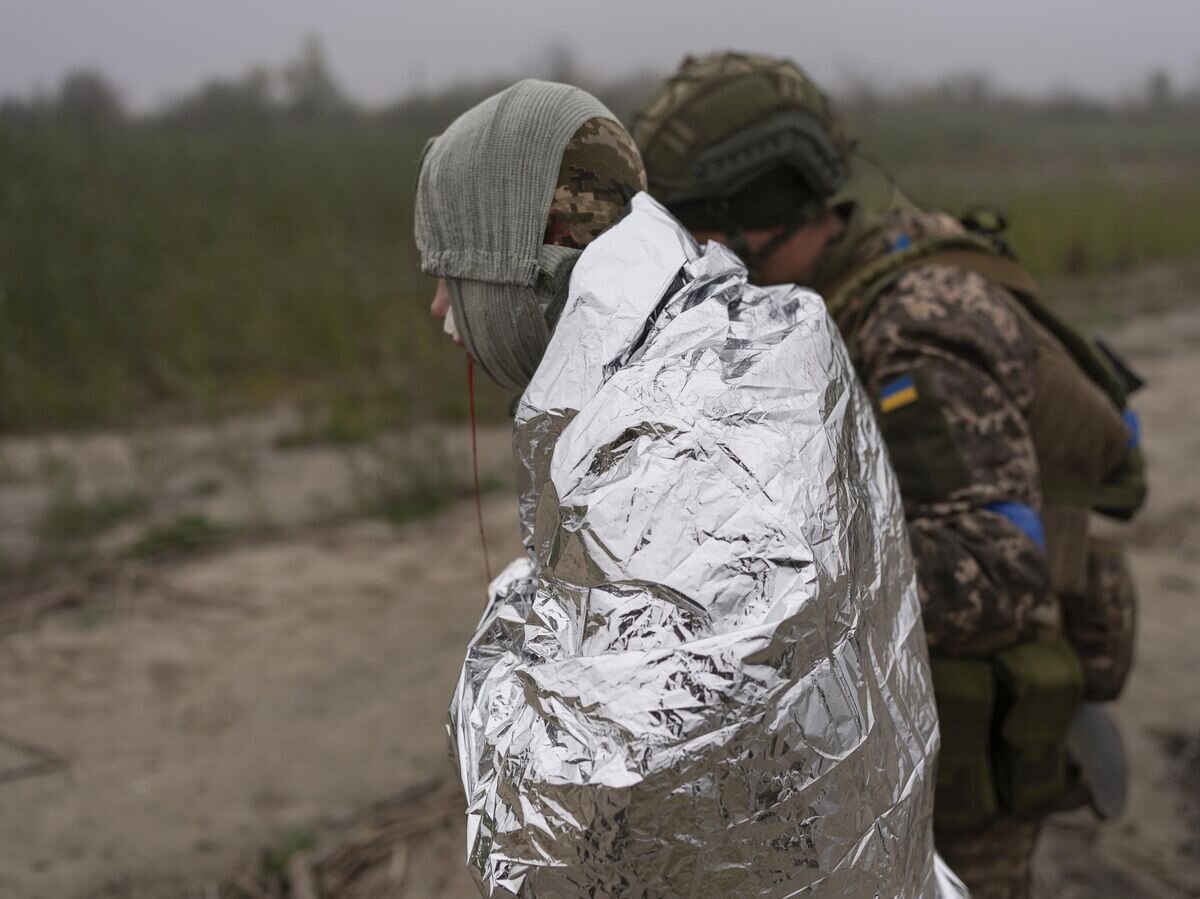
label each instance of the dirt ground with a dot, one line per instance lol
(166, 724)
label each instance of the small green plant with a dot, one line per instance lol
(185, 534)
(54, 467)
(205, 487)
(72, 517)
(275, 860)
(414, 481)
(491, 483)
(349, 417)
(92, 617)
(8, 471)
(413, 478)
(342, 424)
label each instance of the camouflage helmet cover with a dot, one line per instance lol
(722, 122)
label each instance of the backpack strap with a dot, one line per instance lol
(850, 301)
(1002, 270)
(870, 280)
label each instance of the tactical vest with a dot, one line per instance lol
(1004, 720)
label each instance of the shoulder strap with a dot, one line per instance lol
(850, 301)
(866, 283)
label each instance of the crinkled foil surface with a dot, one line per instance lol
(709, 676)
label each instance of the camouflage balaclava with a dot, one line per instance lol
(507, 198)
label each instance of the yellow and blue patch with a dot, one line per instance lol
(898, 393)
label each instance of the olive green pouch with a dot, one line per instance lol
(966, 797)
(1040, 688)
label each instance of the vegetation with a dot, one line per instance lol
(275, 860)
(185, 534)
(412, 477)
(254, 239)
(71, 517)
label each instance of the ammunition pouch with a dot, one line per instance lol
(966, 796)
(1101, 622)
(1040, 688)
(1004, 723)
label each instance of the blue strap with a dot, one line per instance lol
(1024, 517)
(1135, 429)
(903, 242)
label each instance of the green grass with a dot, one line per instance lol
(1086, 190)
(952, 136)
(147, 268)
(1091, 222)
(205, 488)
(91, 617)
(275, 860)
(180, 536)
(71, 517)
(347, 418)
(413, 479)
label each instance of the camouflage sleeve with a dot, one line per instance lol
(949, 364)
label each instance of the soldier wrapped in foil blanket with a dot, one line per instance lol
(709, 676)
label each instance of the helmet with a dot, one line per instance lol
(737, 141)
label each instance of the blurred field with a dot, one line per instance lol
(145, 265)
(225, 251)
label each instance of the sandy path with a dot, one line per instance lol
(233, 697)
(1157, 844)
(214, 704)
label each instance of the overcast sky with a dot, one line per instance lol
(156, 49)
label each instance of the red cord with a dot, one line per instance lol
(487, 563)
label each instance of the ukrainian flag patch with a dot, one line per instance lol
(897, 394)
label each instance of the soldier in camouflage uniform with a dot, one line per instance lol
(1003, 427)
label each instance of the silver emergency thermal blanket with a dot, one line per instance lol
(709, 676)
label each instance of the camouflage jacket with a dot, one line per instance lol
(950, 363)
